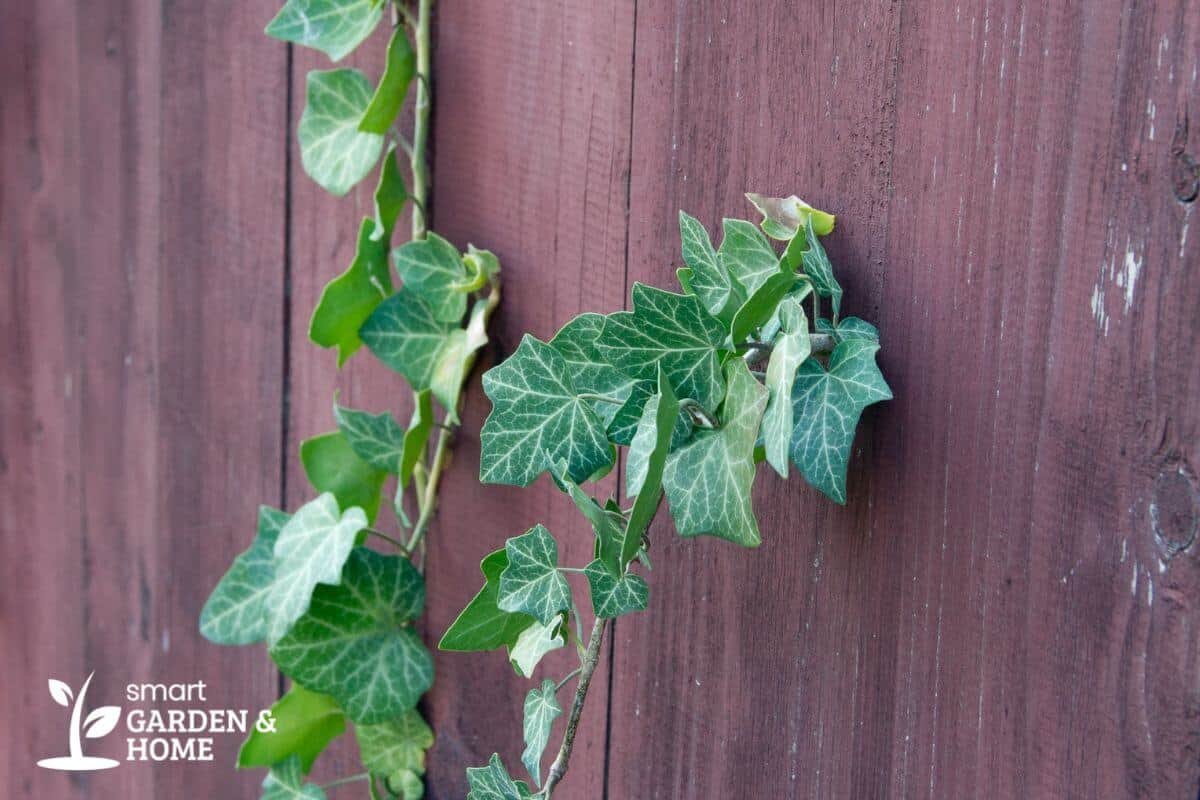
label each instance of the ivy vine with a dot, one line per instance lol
(336, 616)
(699, 387)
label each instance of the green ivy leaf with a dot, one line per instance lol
(398, 72)
(347, 300)
(756, 311)
(356, 643)
(433, 269)
(707, 278)
(532, 584)
(311, 549)
(541, 709)
(533, 643)
(576, 341)
(493, 783)
(708, 480)
(305, 723)
(455, 358)
(335, 153)
(335, 27)
(483, 625)
(849, 329)
(404, 334)
(646, 441)
(820, 271)
(826, 406)
(416, 437)
(792, 347)
(331, 465)
(784, 216)
(397, 745)
(611, 596)
(236, 612)
(537, 419)
(747, 254)
(390, 196)
(406, 785)
(671, 330)
(285, 782)
(375, 438)
(653, 450)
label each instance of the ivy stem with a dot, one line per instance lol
(567, 679)
(362, 776)
(418, 161)
(587, 668)
(385, 537)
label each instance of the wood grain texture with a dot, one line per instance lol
(531, 142)
(993, 614)
(142, 217)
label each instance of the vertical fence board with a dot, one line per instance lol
(142, 212)
(532, 126)
(995, 612)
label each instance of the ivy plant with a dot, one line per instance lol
(746, 364)
(336, 616)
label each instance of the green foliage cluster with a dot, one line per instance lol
(336, 616)
(700, 386)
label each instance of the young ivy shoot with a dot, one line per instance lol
(700, 386)
(337, 617)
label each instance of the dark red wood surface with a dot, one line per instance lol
(1005, 608)
(142, 210)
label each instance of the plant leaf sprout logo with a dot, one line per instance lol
(98, 723)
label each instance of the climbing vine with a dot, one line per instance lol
(337, 616)
(699, 387)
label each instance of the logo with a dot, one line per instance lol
(98, 723)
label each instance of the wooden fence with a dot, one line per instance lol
(1007, 606)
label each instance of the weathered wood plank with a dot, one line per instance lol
(531, 143)
(142, 215)
(970, 624)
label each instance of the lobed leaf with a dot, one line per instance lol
(236, 611)
(613, 596)
(397, 745)
(483, 625)
(792, 347)
(390, 196)
(335, 27)
(533, 643)
(356, 643)
(707, 277)
(334, 152)
(305, 723)
(784, 216)
(375, 438)
(670, 330)
(311, 548)
(541, 709)
(820, 271)
(531, 583)
(826, 406)
(493, 783)
(538, 418)
(285, 782)
(433, 269)
(708, 480)
(747, 254)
